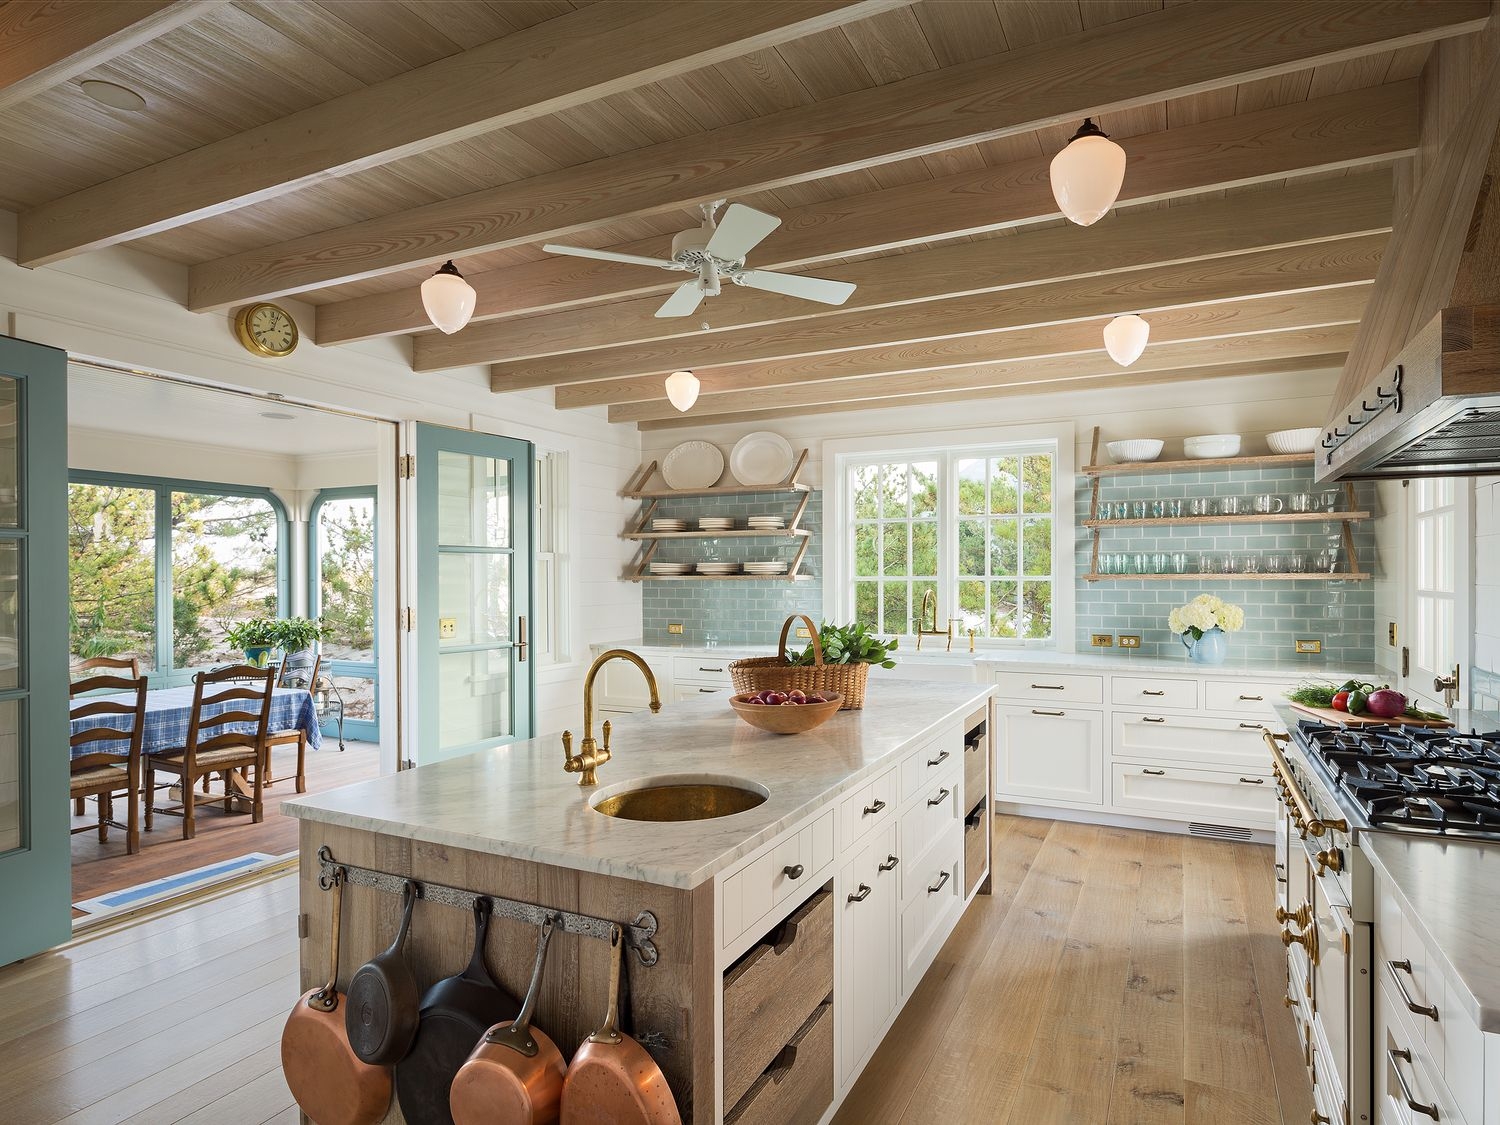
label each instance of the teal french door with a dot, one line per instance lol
(475, 684)
(35, 872)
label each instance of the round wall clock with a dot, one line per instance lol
(267, 330)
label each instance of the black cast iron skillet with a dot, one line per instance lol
(456, 1012)
(381, 1007)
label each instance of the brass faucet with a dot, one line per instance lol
(930, 597)
(590, 755)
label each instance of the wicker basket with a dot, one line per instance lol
(773, 673)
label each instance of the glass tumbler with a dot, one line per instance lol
(1179, 562)
(1160, 563)
(1202, 506)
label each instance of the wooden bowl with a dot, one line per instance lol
(787, 720)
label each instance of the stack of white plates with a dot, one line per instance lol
(718, 568)
(715, 523)
(774, 566)
(766, 523)
(668, 525)
(671, 567)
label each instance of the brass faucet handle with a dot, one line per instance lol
(569, 762)
(605, 748)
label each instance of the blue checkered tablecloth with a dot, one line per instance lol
(169, 710)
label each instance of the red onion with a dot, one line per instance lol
(1386, 703)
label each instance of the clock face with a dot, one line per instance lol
(268, 329)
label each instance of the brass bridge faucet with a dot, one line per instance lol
(930, 598)
(590, 755)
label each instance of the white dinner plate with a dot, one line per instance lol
(693, 464)
(761, 458)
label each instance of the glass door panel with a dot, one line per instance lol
(343, 599)
(1439, 593)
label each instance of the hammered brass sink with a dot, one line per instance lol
(680, 800)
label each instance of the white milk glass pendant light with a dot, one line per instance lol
(682, 390)
(1125, 338)
(448, 299)
(1086, 176)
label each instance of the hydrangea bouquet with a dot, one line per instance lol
(1203, 613)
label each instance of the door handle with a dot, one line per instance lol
(522, 644)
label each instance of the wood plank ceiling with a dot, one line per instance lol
(340, 150)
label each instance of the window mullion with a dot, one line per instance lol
(165, 662)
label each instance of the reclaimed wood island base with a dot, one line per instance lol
(787, 936)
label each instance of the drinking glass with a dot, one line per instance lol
(1330, 500)
(1296, 562)
(1158, 509)
(1137, 509)
(1140, 563)
(1179, 562)
(1250, 564)
(1268, 505)
(1275, 564)
(1231, 505)
(1208, 564)
(1201, 506)
(1160, 563)
(1301, 501)
(1229, 564)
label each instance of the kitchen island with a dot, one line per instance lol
(803, 922)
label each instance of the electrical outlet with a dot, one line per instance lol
(1308, 646)
(675, 628)
(803, 633)
(1390, 633)
(1102, 640)
(447, 628)
(1129, 640)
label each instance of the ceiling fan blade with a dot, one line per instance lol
(684, 300)
(818, 289)
(611, 256)
(740, 231)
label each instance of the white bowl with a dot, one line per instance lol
(1211, 445)
(1293, 441)
(1135, 449)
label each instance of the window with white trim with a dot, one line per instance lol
(974, 526)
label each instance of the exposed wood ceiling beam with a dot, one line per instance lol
(1178, 51)
(892, 390)
(1199, 322)
(1082, 383)
(563, 62)
(1340, 131)
(43, 43)
(1258, 273)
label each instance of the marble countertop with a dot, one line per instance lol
(517, 801)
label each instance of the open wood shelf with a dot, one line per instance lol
(1260, 462)
(1282, 517)
(781, 533)
(718, 577)
(635, 488)
(1318, 576)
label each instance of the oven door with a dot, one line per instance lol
(1338, 950)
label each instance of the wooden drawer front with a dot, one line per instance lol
(976, 763)
(938, 758)
(1049, 754)
(1192, 740)
(976, 847)
(927, 918)
(751, 892)
(1252, 698)
(1195, 794)
(1404, 1071)
(934, 817)
(1050, 687)
(1153, 691)
(702, 669)
(871, 806)
(797, 1088)
(773, 989)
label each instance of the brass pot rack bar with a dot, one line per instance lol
(638, 934)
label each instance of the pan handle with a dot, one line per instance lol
(517, 1036)
(609, 1030)
(483, 908)
(326, 999)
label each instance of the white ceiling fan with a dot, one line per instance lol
(715, 251)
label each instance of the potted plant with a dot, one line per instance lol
(255, 637)
(297, 634)
(1203, 624)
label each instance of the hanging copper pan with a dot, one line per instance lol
(330, 1082)
(612, 1078)
(514, 1075)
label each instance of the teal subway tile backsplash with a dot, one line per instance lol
(739, 612)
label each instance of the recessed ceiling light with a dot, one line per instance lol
(277, 416)
(112, 95)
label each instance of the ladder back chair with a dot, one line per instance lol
(109, 666)
(298, 670)
(212, 748)
(100, 773)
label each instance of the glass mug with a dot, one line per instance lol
(1201, 506)
(1267, 505)
(1250, 564)
(1173, 508)
(1231, 506)
(1301, 502)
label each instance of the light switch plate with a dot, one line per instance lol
(447, 627)
(1102, 640)
(1391, 634)
(1129, 640)
(675, 628)
(1308, 646)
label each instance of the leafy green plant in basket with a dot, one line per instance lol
(846, 644)
(256, 632)
(296, 634)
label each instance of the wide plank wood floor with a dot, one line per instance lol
(1113, 978)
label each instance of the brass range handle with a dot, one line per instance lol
(861, 894)
(942, 879)
(1330, 859)
(1307, 939)
(943, 795)
(940, 759)
(1398, 1055)
(1428, 1010)
(890, 863)
(1302, 915)
(871, 810)
(1307, 819)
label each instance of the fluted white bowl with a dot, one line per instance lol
(1135, 449)
(1293, 441)
(1211, 445)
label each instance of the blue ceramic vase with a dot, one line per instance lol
(1211, 648)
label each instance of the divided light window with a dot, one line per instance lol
(975, 527)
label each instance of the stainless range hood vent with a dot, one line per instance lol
(1469, 442)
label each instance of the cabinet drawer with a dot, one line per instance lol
(773, 989)
(754, 889)
(1195, 794)
(870, 806)
(683, 692)
(928, 917)
(1050, 687)
(1405, 1074)
(703, 669)
(1192, 740)
(918, 769)
(797, 1088)
(1153, 691)
(976, 763)
(1243, 697)
(934, 817)
(976, 847)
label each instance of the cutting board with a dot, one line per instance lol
(1344, 719)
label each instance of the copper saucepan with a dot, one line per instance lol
(514, 1075)
(331, 1084)
(612, 1079)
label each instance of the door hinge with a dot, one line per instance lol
(1405, 662)
(406, 466)
(408, 764)
(408, 619)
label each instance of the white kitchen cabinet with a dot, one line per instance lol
(869, 979)
(1192, 740)
(1049, 754)
(1188, 794)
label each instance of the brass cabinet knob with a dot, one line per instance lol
(1319, 1118)
(1330, 859)
(1302, 915)
(1307, 939)
(1288, 1002)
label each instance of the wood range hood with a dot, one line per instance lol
(1420, 393)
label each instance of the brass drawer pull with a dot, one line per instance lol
(871, 810)
(940, 759)
(1055, 714)
(1049, 687)
(942, 879)
(1151, 719)
(1397, 1055)
(1428, 1010)
(792, 871)
(862, 894)
(890, 863)
(1149, 691)
(1252, 781)
(942, 796)
(1154, 773)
